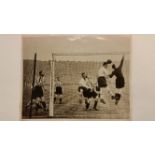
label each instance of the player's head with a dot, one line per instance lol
(106, 63)
(83, 75)
(114, 66)
(109, 61)
(58, 78)
(41, 73)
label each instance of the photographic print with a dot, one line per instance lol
(76, 77)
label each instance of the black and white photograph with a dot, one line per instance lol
(76, 76)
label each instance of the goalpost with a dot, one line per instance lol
(52, 85)
(69, 66)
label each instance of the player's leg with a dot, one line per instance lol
(118, 95)
(95, 105)
(102, 95)
(27, 105)
(102, 83)
(110, 92)
(86, 94)
(90, 96)
(87, 103)
(60, 98)
(37, 104)
(117, 98)
(43, 103)
(80, 90)
(55, 98)
(120, 91)
(95, 96)
(59, 94)
(120, 83)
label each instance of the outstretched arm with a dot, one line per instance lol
(121, 63)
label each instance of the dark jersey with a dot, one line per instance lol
(120, 82)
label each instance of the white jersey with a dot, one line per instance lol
(58, 84)
(84, 83)
(40, 80)
(103, 72)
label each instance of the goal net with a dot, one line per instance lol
(68, 67)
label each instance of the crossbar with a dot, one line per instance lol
(89, 53)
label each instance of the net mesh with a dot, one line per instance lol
(69, 70)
